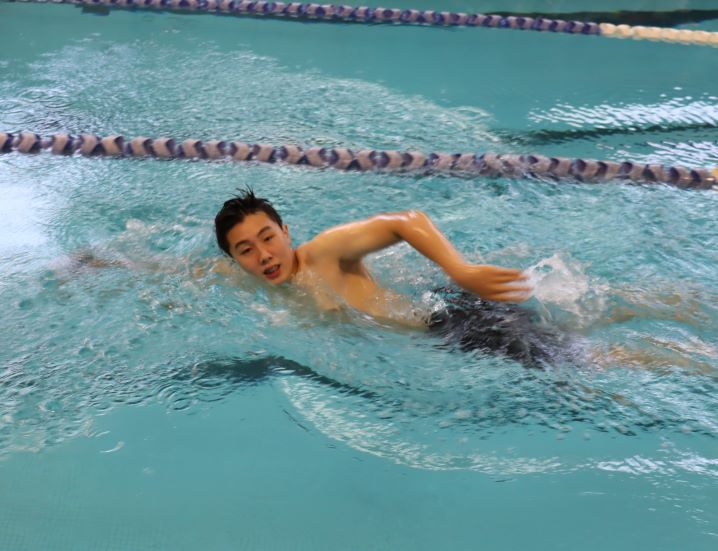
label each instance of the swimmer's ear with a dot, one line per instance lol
(285, 230)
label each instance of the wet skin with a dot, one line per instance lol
(330, 266)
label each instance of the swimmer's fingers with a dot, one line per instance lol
(493, 282)
(499, 274)
(514, 275)
(510, 272)
(511, 293)
(504, 288)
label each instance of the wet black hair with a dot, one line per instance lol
(235, 209)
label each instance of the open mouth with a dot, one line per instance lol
(272, 272)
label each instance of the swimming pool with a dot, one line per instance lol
(160, 407)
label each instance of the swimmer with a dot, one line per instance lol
(330, 268)
(251, 232)
(477, 314)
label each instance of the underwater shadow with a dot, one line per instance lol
(554, 401)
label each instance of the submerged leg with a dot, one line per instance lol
(681, 305)
(659, 356)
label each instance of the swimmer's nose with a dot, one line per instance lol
(265, 257)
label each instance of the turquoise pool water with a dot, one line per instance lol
(152, 406)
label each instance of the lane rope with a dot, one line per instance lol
(363, 14)
(487, 164)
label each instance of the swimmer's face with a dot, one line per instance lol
(263, 248)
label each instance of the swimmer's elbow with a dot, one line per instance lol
(413, 218)
(417, 214)
(393, 226)
(397, 223)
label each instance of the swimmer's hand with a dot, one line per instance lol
(221, 266)
(492, 282)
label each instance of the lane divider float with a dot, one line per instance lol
(486, 164)
(364, 14)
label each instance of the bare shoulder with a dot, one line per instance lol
(310, 252)
(354, 240)
(322, 245)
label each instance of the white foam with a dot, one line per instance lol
(559, 282)
(562, 281)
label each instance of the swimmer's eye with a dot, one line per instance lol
(244, 251)
(268, 238)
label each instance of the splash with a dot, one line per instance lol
(561, 282)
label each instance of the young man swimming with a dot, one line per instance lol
(330, 268)
(251, 231)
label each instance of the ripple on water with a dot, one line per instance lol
(133, 336)
(141, 326)
(303, 107)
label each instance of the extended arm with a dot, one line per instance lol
(355, 240)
